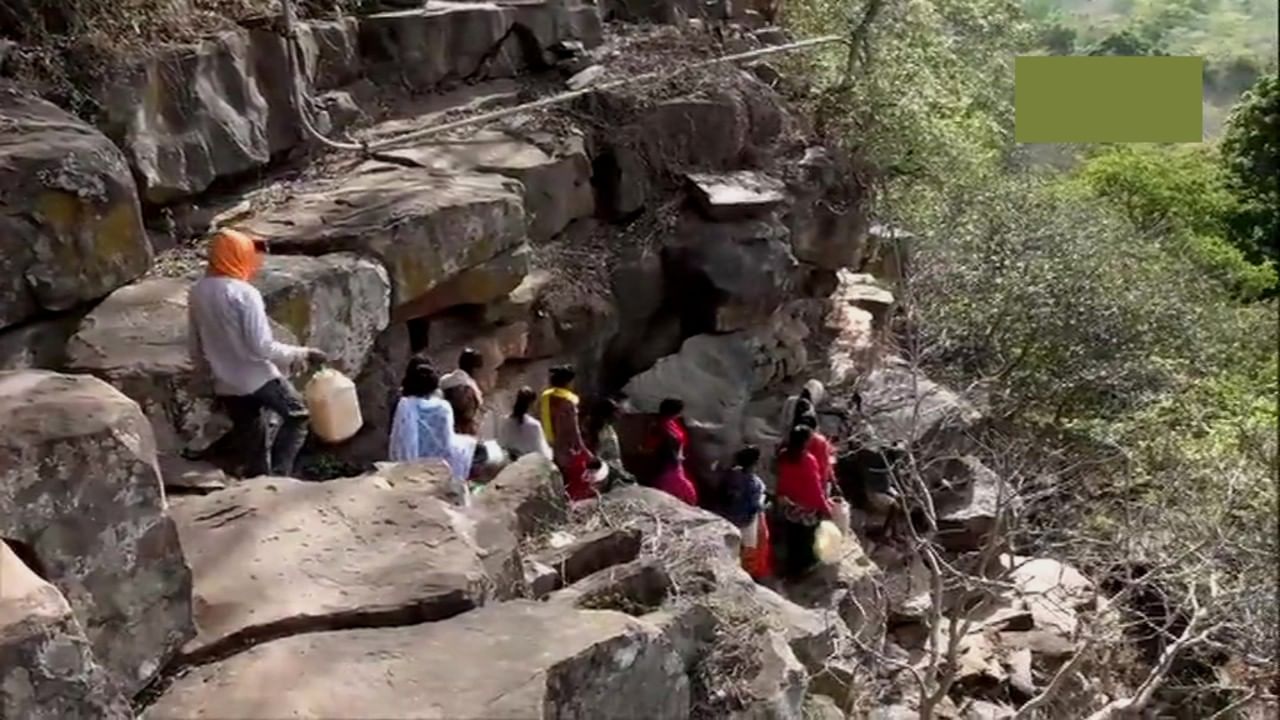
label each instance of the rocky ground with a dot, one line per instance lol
(692, 238)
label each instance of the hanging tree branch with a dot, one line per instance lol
(860, 41)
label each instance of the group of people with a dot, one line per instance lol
(439, 416)
(779, 540)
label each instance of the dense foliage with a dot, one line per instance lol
(1251, 154)
(1237, 38)
(1183, 196)
(921, 93)
(1120, 298)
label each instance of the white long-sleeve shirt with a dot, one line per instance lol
(522, 436)
(230, 335)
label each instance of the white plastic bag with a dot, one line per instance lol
(334, 406)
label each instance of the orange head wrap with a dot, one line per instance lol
(232, 254)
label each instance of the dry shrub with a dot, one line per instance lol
(65, 48)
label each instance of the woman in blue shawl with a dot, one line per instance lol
(423, 426)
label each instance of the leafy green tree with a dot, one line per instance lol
(924, 91)
(1105, 306)
(1251, 155)
(1180, 196)
(1054, 300)
(1126, 43)
(1059, 39)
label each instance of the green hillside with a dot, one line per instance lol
(1237, 38)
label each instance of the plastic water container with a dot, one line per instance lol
(841, 516)
(334, 406)
(827, 542)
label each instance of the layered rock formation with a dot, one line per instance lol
(69, 214)
(519, 659)
(695, 241)
(275, 556)
(47, 668)
(79, 486)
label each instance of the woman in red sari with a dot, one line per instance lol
(822, 450)
(667, 446)
(802, 502)
(671, 426)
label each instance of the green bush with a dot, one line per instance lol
(1251, 157)
(1055, 301)
(1182, 195)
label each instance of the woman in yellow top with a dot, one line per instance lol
(558, 409)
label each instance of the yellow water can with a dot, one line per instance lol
(334, 406)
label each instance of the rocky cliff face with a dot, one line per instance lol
(694, 240)
(610, 231)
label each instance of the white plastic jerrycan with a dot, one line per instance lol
(334, 406)
(827, 542)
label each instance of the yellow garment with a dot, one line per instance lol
(232, 254)
(544, 403)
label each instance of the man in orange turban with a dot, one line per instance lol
(231, 341)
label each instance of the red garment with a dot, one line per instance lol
(675, 430)
(577, 478)
(675, 481)
(821, 449)
(758, 561)
(801, 482)
(670, 429)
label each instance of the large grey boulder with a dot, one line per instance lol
(79, 486)
(422, 226)
(713, 374)
(187, 115)
(815, 635)
(526, 498)
(738, 195)
(828, 233)
(748, 262)
(828, 218)
(137, 338)
(550, 22)
(969, 511)
(852, 347)
(47, 668)
(888, 253)
(437, 42)
(553, 170)
(440, 41)
(903, 408)
(705, 133)
(39, 344)
(777, 690)
(481, 284)
(330, 51)
(70, 225)
(273, 555)
(339, 303)
(512, 660)
(717, 375)
(698, 549)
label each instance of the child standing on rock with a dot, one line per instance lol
(744, 493)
